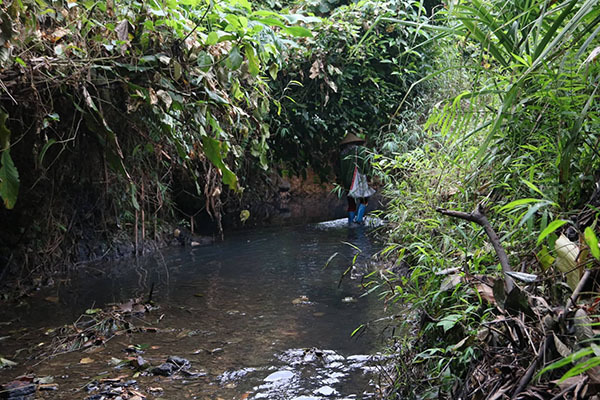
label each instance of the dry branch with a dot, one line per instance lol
(478, 216)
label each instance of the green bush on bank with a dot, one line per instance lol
(518, 133)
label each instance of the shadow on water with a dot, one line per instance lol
(259, 315)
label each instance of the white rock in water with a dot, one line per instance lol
(279, 375)
(325, 391)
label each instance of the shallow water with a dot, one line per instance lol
(259, 315)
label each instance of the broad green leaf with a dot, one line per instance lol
(273, 69)
(553, 226)
(235, 59)
(533, 209)
(295, 18)
(592, 241)
(205, 61)
(253, 63)
(298, 31)
(244, 3)
(271, 22)
(449, 321)
(212, 150)
(215, 97)
(533, 187)
(177, 70)
(545, 259)
(9, 180)
(212, 38)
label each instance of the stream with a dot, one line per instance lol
(261, 315)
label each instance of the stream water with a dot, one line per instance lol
(258, 316)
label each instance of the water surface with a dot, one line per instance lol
(258, 315)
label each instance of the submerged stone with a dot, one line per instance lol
(165, 369)
(179, 361)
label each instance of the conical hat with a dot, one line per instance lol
(351, 138)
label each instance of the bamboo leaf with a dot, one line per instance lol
(553, 226)
(516, 203)
(567, 360)
(45, 149)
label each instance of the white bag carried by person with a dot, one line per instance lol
(359, 187)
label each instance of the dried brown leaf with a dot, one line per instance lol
(562, 348)
(486, 292)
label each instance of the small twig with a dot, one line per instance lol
(479, 218)
(526, 378)
(565, 391)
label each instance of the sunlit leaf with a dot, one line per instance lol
(212, 150)
(516, 203)
(298, 31)
(4, 363)
(553, 226)
(592, 242)
(566, 260)
(212, 38)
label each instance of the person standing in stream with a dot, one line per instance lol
(355, 167)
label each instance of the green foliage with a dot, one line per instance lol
(349, 78)
(9, 180)
(156, 86)
(539, 121)
(515, 127)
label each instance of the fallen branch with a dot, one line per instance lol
(526, 378)
(573, 299)
(479, 218)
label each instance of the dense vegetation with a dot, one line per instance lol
(126, 116)
(515, 131)
(115, 115)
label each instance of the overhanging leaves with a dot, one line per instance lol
(212, 150)
(9, 180)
